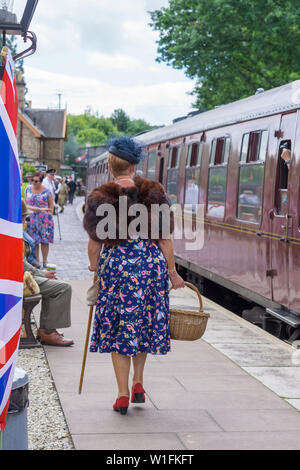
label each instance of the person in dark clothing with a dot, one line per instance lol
(72, 186)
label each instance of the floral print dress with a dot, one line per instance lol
(132, 312)
(41, 225)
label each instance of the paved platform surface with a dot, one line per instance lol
(70, 253)
(237, 388)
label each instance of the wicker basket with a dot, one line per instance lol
(188, 325)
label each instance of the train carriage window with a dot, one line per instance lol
(192, 175)
(282, 180)
(226, 150)
(220, 151)
(245, 145)
(173, 174)
(217, 179)
(213, 152)
(253, 147)
(194, 154)
(139, 168)
(263, 145)
(151, 166)
(174, 157)
(251, 176)
(191, 195)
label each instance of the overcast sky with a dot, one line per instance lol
(101, 53)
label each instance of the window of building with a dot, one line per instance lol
(217, 178)
(151, 166)
(251, 176)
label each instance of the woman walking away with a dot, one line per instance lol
(40, 226)
(132, 312)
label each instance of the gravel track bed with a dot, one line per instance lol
(47, 428)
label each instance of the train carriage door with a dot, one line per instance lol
(281, 219)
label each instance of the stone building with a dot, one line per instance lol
(41, 132)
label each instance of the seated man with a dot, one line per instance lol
(56, 306)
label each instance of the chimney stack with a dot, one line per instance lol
(20, 89)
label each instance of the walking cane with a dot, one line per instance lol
(58, 225)
(86, 343)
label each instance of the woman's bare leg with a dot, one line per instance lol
(37, 253)
(121, 365)
(138, 368)
(45, 251)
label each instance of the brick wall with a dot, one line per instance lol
(54, 153)
(20, 83)
(30, 144)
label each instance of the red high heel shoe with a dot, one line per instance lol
(121, 405)
(137, 394)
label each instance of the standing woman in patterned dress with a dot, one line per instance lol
(132, 311)
(41, 225)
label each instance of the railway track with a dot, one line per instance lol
(243, 308)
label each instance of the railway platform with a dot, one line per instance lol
(238, 388)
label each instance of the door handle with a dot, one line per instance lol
(286, 227)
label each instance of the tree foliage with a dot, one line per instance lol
(91, 128)
(88, 128)
(231, 47)
(120, 119)
(11, 43)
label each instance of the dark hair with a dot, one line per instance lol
(38, 175)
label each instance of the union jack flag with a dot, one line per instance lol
(83, 157)
(11, 236)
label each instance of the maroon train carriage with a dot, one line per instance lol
(228, 160)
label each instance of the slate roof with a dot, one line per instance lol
(50, 122)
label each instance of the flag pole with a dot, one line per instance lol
(0, 440)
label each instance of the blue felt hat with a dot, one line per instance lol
(127, 149)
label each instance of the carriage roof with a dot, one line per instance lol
(276, 101)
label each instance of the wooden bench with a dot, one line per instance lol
(28, 340)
